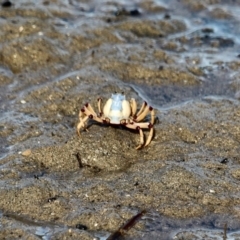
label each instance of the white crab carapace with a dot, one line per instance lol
(118, 110)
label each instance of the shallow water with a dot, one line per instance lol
(182, 57)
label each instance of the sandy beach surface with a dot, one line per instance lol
(181, 57)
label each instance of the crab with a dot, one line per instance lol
(119, 111)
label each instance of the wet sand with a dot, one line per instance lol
(182, 57)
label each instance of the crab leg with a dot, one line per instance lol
(152, 116)
(81, 124)
(91, 114)
(85, 113)
(89, 108)
(148, 125)
(81, 115)
(144, 114)
(100, 106)
(140, 126)
(150, 136)
(133, 105)
(133, 126)
(141, 139)
(142, 108)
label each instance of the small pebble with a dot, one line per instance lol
(26, 153)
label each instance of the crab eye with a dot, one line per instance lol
(122, 93)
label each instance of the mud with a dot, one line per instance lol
(182, 57)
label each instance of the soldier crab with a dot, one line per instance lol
(119, 111)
